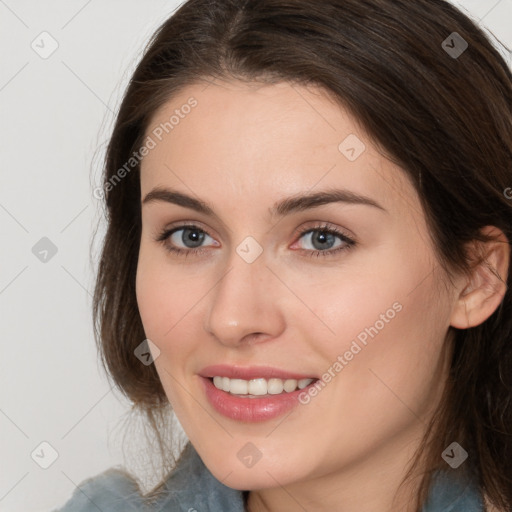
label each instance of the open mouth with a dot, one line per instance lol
(268, 398)
(259, 387)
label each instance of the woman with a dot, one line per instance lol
(307, 259)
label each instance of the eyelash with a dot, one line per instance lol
(349, 242)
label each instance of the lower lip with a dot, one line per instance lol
(251, 409)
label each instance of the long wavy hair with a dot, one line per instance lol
(444, 118)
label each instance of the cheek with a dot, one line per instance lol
(160, 309)
(369, 283)
(162, 297)
(393, 364)
(150, 300)
(166, 306)
(386, 319)
(360, 305)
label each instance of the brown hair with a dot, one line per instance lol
(445, 119)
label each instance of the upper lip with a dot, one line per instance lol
(250, 372)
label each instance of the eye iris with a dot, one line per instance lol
(322, 237)
(193, 238)
(192, 235)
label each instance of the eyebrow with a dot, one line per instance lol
(297, 203)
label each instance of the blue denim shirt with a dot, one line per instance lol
(192, 488)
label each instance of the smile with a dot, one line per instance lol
(253, 394)
(260, 386)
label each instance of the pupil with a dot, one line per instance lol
(323, 237)
(192, 235)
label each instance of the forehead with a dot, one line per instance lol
(245, 139)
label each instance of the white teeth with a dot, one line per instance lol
(275, 386)
(304, 382)
(259, 387)
(290, 385)
(238, 386)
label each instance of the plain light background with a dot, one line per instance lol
(56, 114)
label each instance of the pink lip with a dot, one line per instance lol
(252, 372)
(247, 409)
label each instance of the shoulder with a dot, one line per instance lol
(190, 486)
(113, 490)
(452, 492)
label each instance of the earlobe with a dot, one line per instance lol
(484, 291)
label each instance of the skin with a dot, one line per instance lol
(241, 149)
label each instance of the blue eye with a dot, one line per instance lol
(322, 236)
(192, 237)
(191, 234)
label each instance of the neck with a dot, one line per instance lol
(372, 485)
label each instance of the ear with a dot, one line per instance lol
(481, 295)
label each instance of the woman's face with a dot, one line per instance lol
(354, 302)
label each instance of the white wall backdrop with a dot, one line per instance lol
(64, 66)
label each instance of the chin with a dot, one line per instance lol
(252, 479)
(260, 475)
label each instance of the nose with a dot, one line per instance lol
(246, 304)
